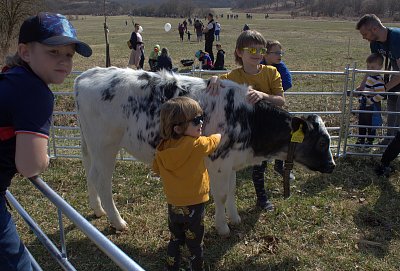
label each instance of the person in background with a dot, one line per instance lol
(47, 43)
(181, 30)
(209, 36)
(164, 61)
(188, 34)
(179, 160)
(217, 30)
(246, 27)
(137, 47)
(184, 23)
(204, 58)
(198, 28)
(265, 82)
(385, 41)
(153, 57)
(371, 102)
(273, 57)
(220, 61)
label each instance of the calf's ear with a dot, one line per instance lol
(295, 124)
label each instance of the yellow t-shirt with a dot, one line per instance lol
(180, 163)
(268, 80)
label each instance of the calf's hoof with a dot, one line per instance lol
(99, 212)
(235, 220)
(120, 225)
(223, 230)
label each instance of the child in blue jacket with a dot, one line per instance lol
(274, 58)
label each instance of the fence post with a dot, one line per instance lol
(344, 99)
(348, 112)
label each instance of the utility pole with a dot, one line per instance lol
(108, 60)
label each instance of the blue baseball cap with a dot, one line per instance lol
(52, 29)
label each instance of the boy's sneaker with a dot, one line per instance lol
(382, 170)
(280, 170)
(265, 205)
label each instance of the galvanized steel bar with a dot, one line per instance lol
(104, 244)
(54, 252)
(344, 99)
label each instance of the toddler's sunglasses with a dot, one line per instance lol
(253, 51)
(197, 120)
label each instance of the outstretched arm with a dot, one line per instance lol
(31, 154)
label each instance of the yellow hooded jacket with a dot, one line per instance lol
(180, 163)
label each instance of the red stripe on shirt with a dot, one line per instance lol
(32, 133)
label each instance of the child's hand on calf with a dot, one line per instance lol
(254, 96)
(213, 85)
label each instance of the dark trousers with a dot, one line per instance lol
(366, 119)
(258, 181)
(392, 150)
(141, 62)
(209, 49)
(153, 64)
(13, 255)
(369, 119)
(393, 104)
(186, 224)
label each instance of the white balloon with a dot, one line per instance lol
(140, 29)
(167, 27)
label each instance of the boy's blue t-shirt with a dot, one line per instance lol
(26, 105)
(391, 46)
(284, 72)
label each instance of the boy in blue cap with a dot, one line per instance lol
(46, 45)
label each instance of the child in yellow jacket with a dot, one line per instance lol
(179, 161)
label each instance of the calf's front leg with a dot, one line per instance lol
(230, 204)
(220, 182)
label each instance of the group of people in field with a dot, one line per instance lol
(159, 58)
(46, 46)
(211, 32)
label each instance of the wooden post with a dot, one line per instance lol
(108, 59)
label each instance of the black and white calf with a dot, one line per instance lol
(119, 108)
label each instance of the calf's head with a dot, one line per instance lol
(314, 152)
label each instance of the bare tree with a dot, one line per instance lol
(12, 14)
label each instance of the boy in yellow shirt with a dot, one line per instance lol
(264, 83)
(179, 161)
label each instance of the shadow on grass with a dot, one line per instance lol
(349, 174)
(377, 222)
(286, 264)
(83, 253)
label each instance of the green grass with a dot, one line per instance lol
(347, 220)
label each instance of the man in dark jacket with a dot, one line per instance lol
(209, 36)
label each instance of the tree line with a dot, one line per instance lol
(331, 8)
(13, 12)
(168, 8)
